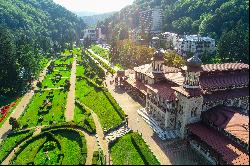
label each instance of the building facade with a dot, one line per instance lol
(151, 20)
(194, 44)
(176, 100)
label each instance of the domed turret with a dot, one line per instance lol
(192, 72)
(158, 61)
(194, 61)
(159, 55)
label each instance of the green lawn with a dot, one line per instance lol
(73, 146)
(96, 99)
(101, 52)
(64, 147)
(131, 149)
(53, 111)
(83, 118)
(123, 152)
(9, 143)
(28, 154)
(98, 158)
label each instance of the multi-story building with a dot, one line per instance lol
(168, 40)
(151, 20)
(206, 104)
(91, 34)
(195, 44)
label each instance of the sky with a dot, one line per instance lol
(97, 6)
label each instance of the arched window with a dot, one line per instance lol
(194, 112)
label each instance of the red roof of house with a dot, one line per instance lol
(137, 84)
(147, 70)
(224, 80)
(228, 119)
(188, 92)
(230, 153)
(164, 90)
(224, 67)
(226, 94)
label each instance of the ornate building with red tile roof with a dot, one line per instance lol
(206, 104)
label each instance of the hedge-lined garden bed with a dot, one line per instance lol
(98, 158)
(131, 149)
(101, 52)
(98, 100)
(54, 147)
(83, 118)
(103, 64)
(46, 108)
(11, 141)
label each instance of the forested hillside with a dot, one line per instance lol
(94, 19)
(29, 29)
(227, 21)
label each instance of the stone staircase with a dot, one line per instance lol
(123, 130)
(164, 135)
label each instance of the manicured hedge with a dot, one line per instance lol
(11, 141)
(36, 116)
(101, 51)
(143, 149)
(106, 66)
(132, 149)
(70, 142)
(123, 152)
(73, 146)
(83, 118)
(98, 158)
(94, 97)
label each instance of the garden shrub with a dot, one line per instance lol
(11, 141)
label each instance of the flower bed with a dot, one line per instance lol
(5, 111)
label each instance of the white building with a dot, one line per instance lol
(169, 39)
(90, 33)
(194, 44)
(151, 21)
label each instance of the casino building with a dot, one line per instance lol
(206, 104)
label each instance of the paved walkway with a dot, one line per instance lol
(101, 138)
(70, 107)
(91, 147)
(6, 127)
(136, 123)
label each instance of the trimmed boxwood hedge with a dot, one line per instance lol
(96, 157)
(12, 140)
(67, 137)
(143, 149)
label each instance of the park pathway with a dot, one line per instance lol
(91, 147)
(101, 138)
(70, 107)
(136, 123)
(6, 128)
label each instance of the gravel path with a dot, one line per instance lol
(70, 107)
(6, 127)
(136, 123)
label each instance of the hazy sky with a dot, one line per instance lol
(99, 6)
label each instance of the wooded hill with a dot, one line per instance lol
(227, 21)
(30, 30)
